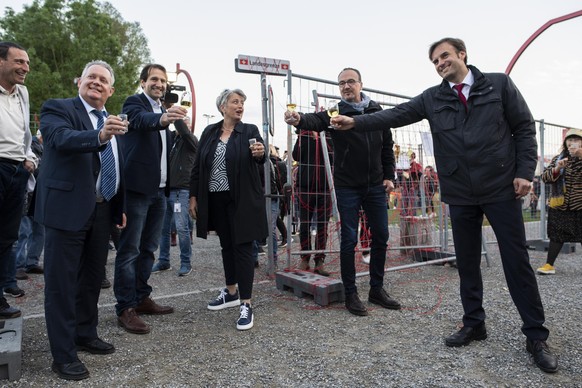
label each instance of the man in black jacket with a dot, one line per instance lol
(486, 153)
(363, 175)
(182, 158)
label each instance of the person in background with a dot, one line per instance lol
(146, 149)
(226, 196)
(485, 149)
(564, 173)
(82, 170)
(17, 161)
(430, 188)
(314, 198)
(181, 161)
(363, 176)
(281, 179)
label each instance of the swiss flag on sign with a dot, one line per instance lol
(284, 66)
(244, 61)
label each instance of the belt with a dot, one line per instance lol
(11, 161)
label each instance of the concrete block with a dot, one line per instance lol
(10, 348)
(324, 290)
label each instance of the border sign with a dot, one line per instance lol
(261, 65)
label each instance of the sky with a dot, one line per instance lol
(386, 40)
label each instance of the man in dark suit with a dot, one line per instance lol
(146, 149)
(486, 153)
(79, 196)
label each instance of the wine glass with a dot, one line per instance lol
(186, 101)
(332, 109)
(291, 103)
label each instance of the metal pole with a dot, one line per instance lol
(267, 172)
(542, 199)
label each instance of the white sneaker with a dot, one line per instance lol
(245, 320)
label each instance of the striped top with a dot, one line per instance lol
(218, 178)
(572, 179)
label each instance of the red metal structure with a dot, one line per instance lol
(179, 70)
(538, 33)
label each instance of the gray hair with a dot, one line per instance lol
(102, 64)
(225, 95)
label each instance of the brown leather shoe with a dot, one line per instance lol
(148, 306)
(319, 268)
(304, 265)
(132, 323)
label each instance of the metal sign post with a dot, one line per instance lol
(265, 66)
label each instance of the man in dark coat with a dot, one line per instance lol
(78, 142)
(486, 153)
(363, 175)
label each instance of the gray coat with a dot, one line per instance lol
(479, 152)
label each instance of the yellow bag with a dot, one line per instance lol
(556, 201)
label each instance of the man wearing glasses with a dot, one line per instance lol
(363, 175)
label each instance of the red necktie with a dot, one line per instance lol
(459, 89)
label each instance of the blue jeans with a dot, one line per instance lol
(30, 243)
(373, 201)
(13, 180)
(182, 220)
(26, 251)
(137, 244)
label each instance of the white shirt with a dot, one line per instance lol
(467, 83)
(12, 125)
(163, 159)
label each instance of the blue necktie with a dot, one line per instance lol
(108, 176)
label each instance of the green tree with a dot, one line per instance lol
(61, 36)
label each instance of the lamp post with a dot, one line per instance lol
(208, 117)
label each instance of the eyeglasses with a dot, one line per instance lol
(350, 82)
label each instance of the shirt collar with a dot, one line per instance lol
(469, 80)
(155, 104)
(89, 108)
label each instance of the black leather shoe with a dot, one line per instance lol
(466, 335)
(96, 346)
(542, 355)
(72, 371)
(7, 312)
(380, 297)
(355, 305)
(105, 283)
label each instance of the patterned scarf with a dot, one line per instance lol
(359, 106)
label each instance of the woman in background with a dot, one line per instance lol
(565, 210)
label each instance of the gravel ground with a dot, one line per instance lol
(296, 343)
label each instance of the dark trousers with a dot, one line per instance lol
(74, 266)
(13, 178)
(373, 201)
(237, 259)
(507, 223)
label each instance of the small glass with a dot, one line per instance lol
(123, 118)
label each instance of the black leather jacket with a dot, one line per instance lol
(479, 152)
